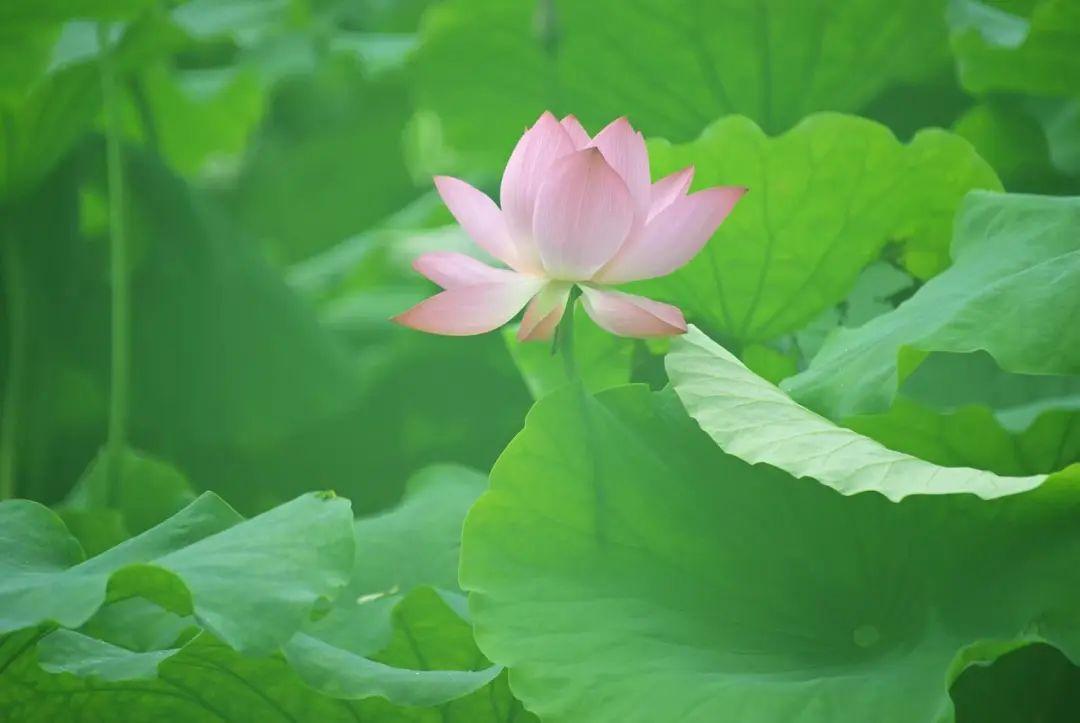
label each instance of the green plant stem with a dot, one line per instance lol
(564, 336)
(13, 387)
(119, 307)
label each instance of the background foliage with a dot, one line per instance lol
(907, 266)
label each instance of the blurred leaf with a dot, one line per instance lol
(201, 119)
(43, 126)
(1011, 290)
(329, 161)
(971, 437)
(488, 68)
(149, 491)
(603, 360)
(1013, 143)
(1061, 122)
(1033, 52)
(245, 20)
(1032, 683)
(824, 200)
(250, 582)
(626, 569)
(53, 11)
(768, 363)
(950, 381)
(29, 29)
(750, 418)
(40, 126)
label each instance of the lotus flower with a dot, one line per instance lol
(575, 211)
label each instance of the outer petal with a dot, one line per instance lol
(672, 237)
(668, 188)
(481, 219)
(544, 312)
(538, 149)
(624, 150)
(452, 270)
(629, 315)
(577, 132)
(583, 215)
(467, 310)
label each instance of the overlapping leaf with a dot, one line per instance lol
(825, 198)
(1021, 47)
(249, 582)
(750, 418)
(389, 639)
(1013, 291)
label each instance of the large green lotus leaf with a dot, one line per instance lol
(487, 68)
(1012, 291)
(250, 582)
(626, 569)
(1031, 52)
(824, 200)
(752, 419)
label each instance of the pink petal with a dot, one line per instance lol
(544, 312)
(624, 150)
(668, 188)
(577, 132)
(470, 310)
(481, 219)
(452, 270)
(672, 237)
(538, 149)
(583, 215)
(629, 315)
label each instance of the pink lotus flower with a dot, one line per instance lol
(575, 210)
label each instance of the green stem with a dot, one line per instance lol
(564, 336)
(119, 308)
(13, 388)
